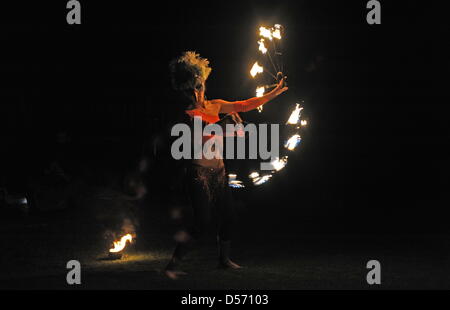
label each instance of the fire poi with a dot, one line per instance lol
(267, 43)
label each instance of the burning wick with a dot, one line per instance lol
(233, 182)
(295, 115)
(120, 245)
(256, 69)
(279, 164)
(266, 33)
(262, 47)
(253, 175)
(257, 179)
(260, 91)
(261, 180)
(293, 141)
(276, 33)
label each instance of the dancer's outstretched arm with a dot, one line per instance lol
(249, 104)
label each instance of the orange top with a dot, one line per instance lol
(206, 117)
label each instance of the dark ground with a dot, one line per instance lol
(281, 262)
(35, 251)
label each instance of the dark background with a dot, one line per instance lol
(374, 158)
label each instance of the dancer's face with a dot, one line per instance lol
(200, 95)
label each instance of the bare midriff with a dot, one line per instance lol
(209, 163)
(209, 115)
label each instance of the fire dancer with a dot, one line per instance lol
(206, 178)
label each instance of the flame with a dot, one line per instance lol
(277, 32)
(271, 33)
(256, 69)
(262, 47)
(295, 115)
(260, 91)
(266, 33)
(279, 164)
(303, 123)
(261, 180)
(232, 176)
(120, 245)
(253, 175)
(257, 179)
(232, 182)
(236, 184)
(293, 141)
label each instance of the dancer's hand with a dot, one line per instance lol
(281, 88)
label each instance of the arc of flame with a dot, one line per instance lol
(262, 47)
(120, 245)
(256, 69)
(295, 115)
(293, 141)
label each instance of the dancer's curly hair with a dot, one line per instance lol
(189, 71)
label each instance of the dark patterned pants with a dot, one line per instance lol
(210, 194)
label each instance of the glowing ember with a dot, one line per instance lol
(256, 69)
(266, 33)
(261, 180)
(295, 115)
(120, 245)
(293, 141)
(279, 164)
(262, 47)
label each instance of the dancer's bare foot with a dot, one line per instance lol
(174, 274)
(172, 271)
(224, 256)
(229, 264)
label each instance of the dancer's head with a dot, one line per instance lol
(189, 73)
